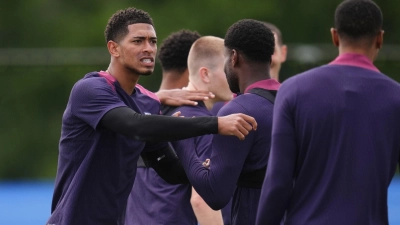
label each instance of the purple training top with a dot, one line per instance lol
(335, 146)
(230, 157)
(226, 210)
(153, 200)
(96, 167)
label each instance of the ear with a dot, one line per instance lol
(204, 75)
(379, 39)
(284, 53)
(113, 48)
(335, 37)
(234, 58)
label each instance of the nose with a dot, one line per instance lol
(149, 46)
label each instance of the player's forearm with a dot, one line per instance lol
(127, 122)
(204, 214)
(213, 186)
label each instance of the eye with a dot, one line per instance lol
(137, 41)
(154, 41)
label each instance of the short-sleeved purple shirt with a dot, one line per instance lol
(96, 167)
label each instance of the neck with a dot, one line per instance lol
(274, 73)
(253, 74)
(193, 87)
(173, 80)
(370, 53)
(126, 79)
(210, 102)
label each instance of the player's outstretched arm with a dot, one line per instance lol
(237, 124)
(178, 97)
(127, 122)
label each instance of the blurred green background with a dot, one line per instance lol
(47, 45)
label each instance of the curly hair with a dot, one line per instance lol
(117, 26)
(358, 19)
(251, 38)
(175, 49)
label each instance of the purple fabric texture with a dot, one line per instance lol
(153, 200)
(230, 157)
(96, 167)
(335, 146)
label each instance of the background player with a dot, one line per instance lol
(237, 167)
(153, 200)
(335, 138)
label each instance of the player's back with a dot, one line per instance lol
(348, 134)
(254, 163)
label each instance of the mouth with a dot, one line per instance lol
(147, 61)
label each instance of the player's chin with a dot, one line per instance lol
(147, 72)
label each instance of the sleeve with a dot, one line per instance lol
(163, 159)
(91, 99)
(154, 146)
(125, 121)
(203, 146)
(216, 184)
(202, 143)
(278, 182)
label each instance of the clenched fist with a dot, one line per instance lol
(237, 124)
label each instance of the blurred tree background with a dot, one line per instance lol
(47, 45)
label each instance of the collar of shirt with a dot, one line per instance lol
(353, 59)
(268, 84)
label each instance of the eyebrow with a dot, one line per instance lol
(144, 37)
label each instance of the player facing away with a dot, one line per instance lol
(152, 199)
(106, 125)
(336, 129)
(237, 168)
(277, 59)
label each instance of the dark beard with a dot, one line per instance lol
(146, 73)
(233, 82)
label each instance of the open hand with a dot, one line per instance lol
(178, 97)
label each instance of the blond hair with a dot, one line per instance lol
(203, 53)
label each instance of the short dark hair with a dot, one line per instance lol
(174, 50)
(358, 19)
(117, 26)
(251, 38)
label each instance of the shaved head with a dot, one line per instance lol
(205, 52)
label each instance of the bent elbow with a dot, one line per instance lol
(217, 203)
